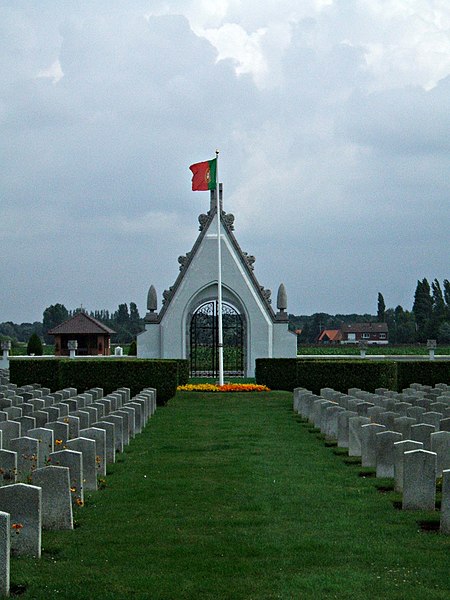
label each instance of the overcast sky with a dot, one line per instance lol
(332, 118)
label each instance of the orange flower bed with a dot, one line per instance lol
(227, 387)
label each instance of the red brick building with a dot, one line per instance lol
(93, 337)
(372, 333)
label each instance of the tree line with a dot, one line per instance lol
(429, 317)
(125, 321)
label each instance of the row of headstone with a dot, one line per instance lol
(404, 436)
(46, 469)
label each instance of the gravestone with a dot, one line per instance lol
(5, 544)
(73, 423)
(131, 419)
(354, 434)
(99, 435)
(419, 480)
(8, 467)
(56, 497)
(342, 427)
(440, 443)
(403, 426)
(126, 425)
(27, 450)
(118, 422)
(24, 503)
(399, 450)
(385, 452)
(87, 447)
(368, 444)
(46, 443)
(73, 460)
(26, 423)
(60, 432)
(422, 433)
(10, 430)
(110, 441)
(445, 503)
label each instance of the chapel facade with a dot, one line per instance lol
(186, 325)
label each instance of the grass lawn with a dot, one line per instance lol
(230, 496)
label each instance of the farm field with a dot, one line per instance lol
(235, 497)
(412, 350)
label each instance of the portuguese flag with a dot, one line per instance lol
(204, 175)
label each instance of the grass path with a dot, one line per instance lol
(231, 497)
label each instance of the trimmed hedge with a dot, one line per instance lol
(425, 372)
(289, 373)
(43, 371)
(84, 374)
(183, 371)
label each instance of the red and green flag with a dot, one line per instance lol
(204, 175)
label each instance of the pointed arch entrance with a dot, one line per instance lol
(203, 336)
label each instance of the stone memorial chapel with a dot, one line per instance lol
(186, 324)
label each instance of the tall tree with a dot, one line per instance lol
(422, 309)
(381, 309)
(447, 293)
(135, 319)
(53, 316)
(122, 316)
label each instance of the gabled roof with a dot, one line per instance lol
(334, 335)
(80, 323)
(245, 260)
(364, 328)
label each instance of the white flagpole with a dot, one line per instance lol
(219, 274)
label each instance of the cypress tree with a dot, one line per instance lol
(34, 345)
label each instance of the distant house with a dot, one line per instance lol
(330, 336)
(93, 337)
(372, 333)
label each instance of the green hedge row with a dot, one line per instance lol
(289, 373)
(84, 374)
(425, 372)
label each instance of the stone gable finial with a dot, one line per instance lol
(152, 304)
(282, 302)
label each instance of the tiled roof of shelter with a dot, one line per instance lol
(80, 323)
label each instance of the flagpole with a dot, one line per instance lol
(219, 274)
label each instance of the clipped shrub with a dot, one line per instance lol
(426, 372)
(286, 374)
(84, 374)
(44, 371)
(34, 345)
(132, 350)
(183, 371)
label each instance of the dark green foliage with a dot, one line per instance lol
(42, 371)
(136, 374)
(34, 345)
(288, 373)
(132, 350)
(183, 371)
(425, 372)
(281, 372)
(53, 316)
(381, 308)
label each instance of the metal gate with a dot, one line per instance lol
(204, 341)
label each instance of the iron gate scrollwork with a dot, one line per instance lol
(204, 340)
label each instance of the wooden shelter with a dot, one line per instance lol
(93, 338)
